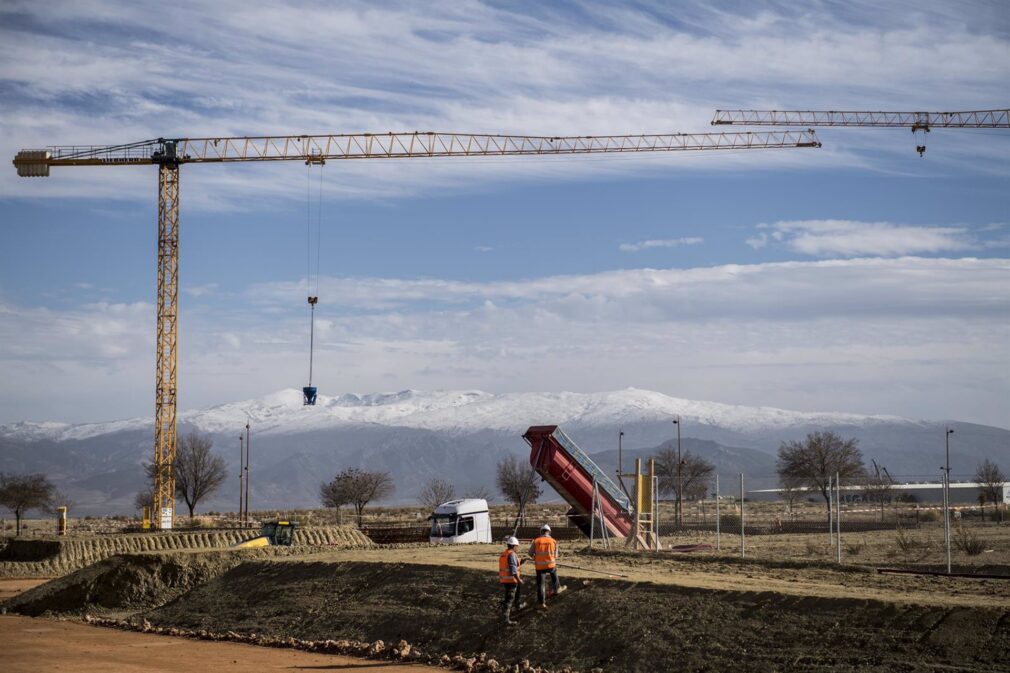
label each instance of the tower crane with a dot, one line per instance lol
(917, 121)
(169, 154)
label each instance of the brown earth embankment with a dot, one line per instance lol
(615, 625)
(54, 557)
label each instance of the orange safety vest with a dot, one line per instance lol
(505, 576)
(545, 552)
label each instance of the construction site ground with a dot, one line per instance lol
(33, 645)
(690, 612)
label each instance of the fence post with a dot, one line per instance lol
(655, 511)
(946, 514)
(743, 534)
(831, 518)
(718, 546)
(838, 518)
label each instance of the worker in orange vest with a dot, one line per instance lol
(544, 551)
(509, 578)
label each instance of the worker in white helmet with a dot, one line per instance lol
(510, 579)
(544, 551)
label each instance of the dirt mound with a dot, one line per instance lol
(614, 625)
(53, 557)
(129, 581)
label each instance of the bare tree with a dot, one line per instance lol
(333, 494)
(59, 499)
(991, 480)
(21, 493)
(878, 486)
(816, 460)
(143, 498)
(518, 483)
(479, 493)
(696, 473)
(198, 473)
(356, 487)
(435, 492)
(791, 491)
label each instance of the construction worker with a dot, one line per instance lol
(544, 551)
(510, 579)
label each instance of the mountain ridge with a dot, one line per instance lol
(461, 436)
(282, 411)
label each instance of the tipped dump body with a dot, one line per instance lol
(571, 472)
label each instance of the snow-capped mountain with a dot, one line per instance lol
(461, 436)
(461, 412)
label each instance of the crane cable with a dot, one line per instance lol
(313, 297)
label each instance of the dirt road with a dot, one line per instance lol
(10, 588)
(31, 645)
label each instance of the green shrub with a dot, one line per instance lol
(929, 515)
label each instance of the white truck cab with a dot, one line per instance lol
(460, 522)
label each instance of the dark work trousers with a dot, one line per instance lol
(510, 599)
(541, 589)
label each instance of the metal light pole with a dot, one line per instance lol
(946, 492)
(680, 479)
(620, 459)
(248, 446)
(241, 463)
(946, 438)
(743, 533)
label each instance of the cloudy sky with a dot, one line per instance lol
(856, 277)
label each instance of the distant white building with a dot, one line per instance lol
(961, 492)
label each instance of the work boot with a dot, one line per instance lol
(543, 606)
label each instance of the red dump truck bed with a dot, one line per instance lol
(571, 472)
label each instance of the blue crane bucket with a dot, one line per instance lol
(309, 393)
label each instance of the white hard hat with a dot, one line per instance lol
(512, 541)
(546, 527)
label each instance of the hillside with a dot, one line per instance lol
(460, 436)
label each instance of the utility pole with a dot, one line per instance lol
(241, 464)
(620, 460)
(743, 533)
(680, 479)
(946, 493)
(248, 446)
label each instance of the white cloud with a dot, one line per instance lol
(483, 248)
(863, 335)
(193, 69)
(200, 290)
(848, 238)
(660, 243)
